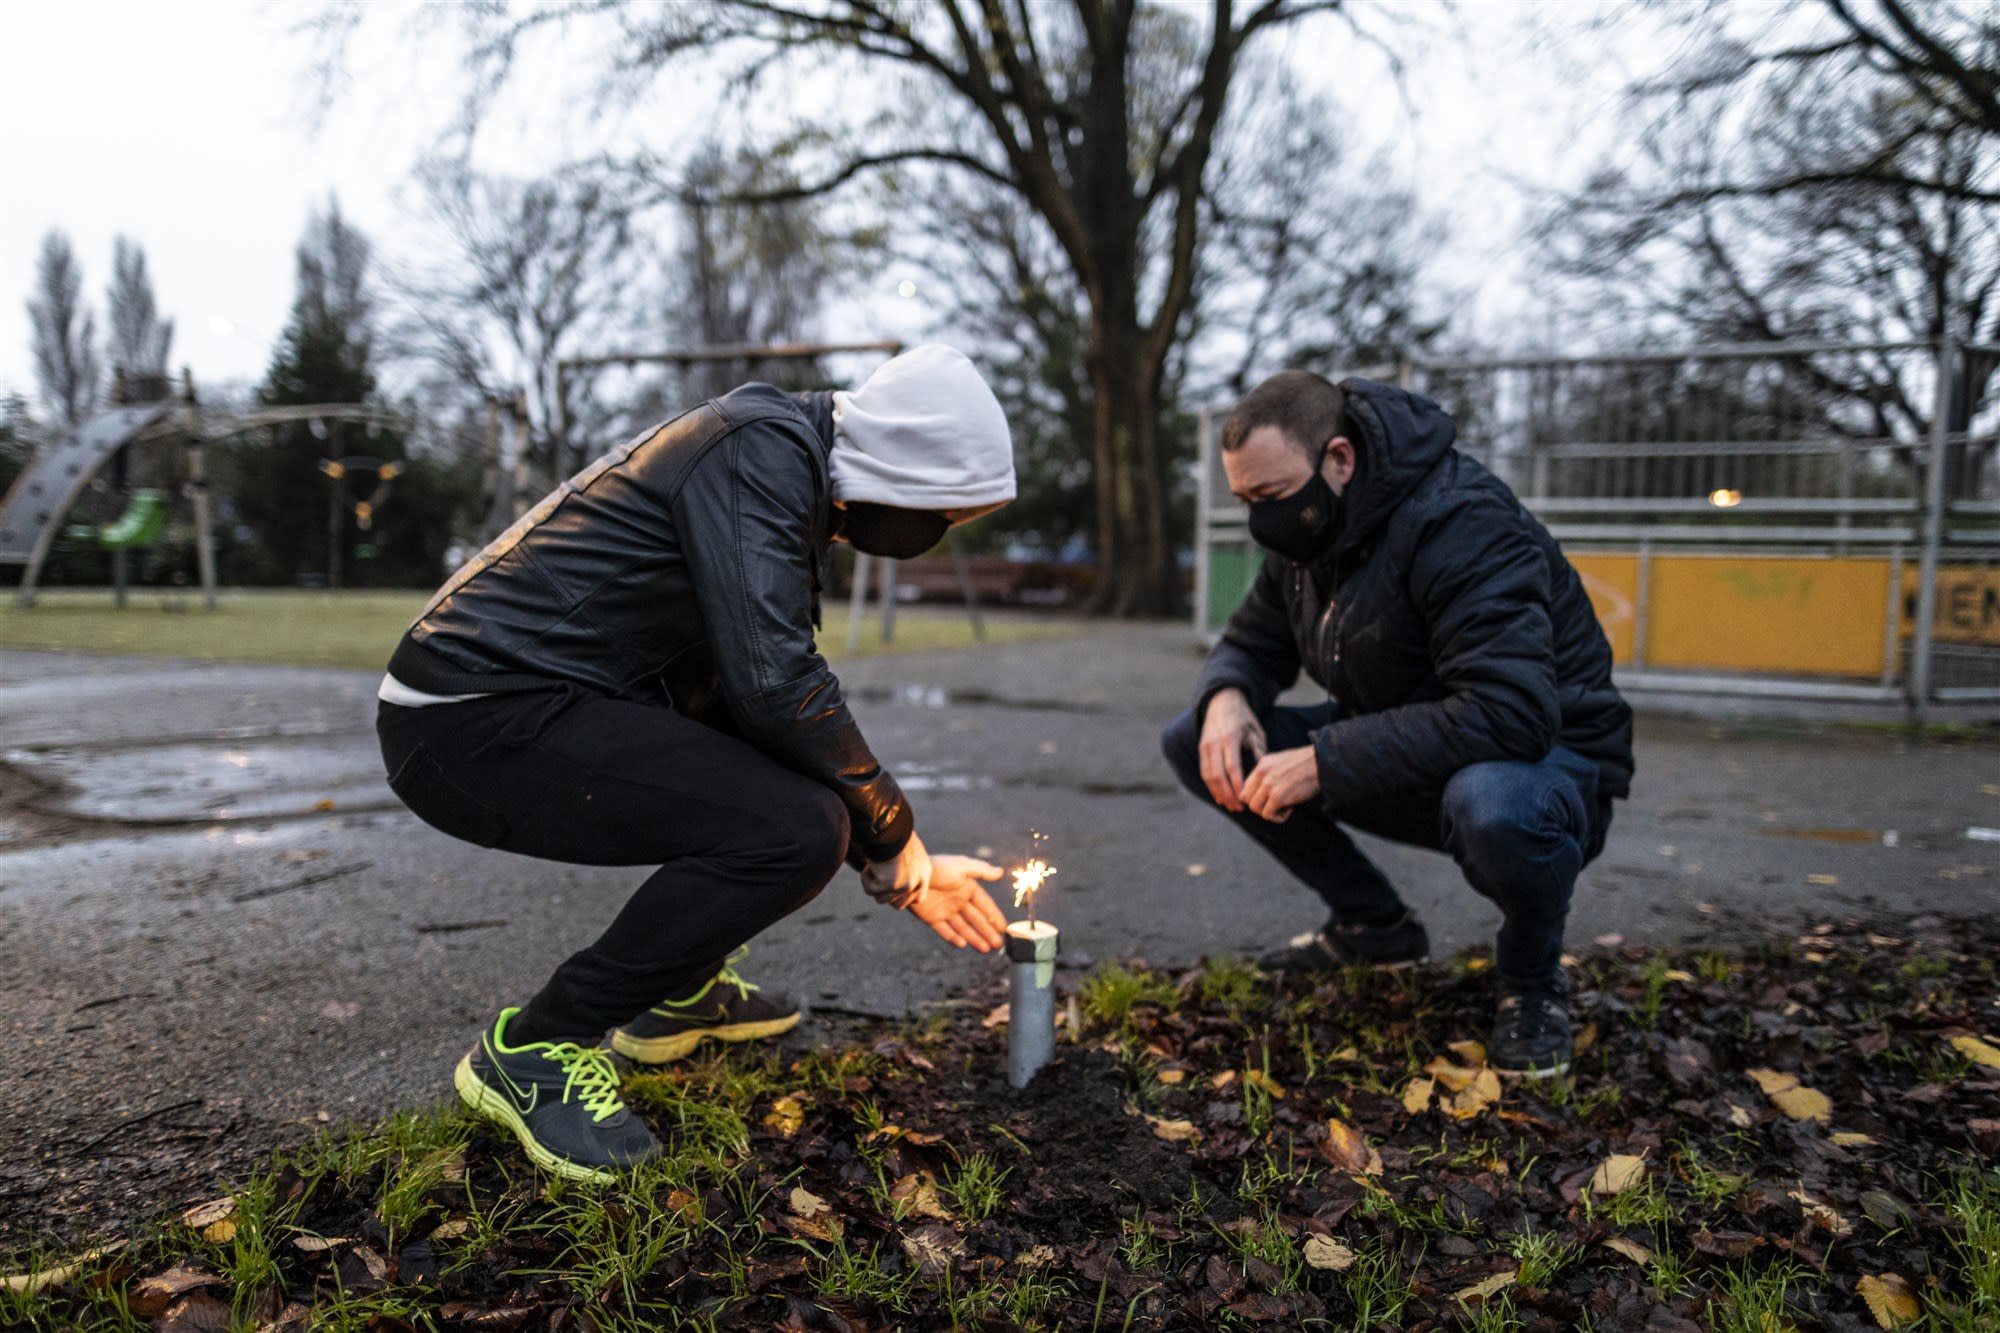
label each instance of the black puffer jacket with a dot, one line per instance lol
(1445, 621)
(680, 569)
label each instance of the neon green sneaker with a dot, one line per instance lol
(726, 1008)
(559, 1099)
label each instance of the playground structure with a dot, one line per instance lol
(103, 453)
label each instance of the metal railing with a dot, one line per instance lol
(1884, 451)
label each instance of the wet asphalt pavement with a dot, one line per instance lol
(217, 925)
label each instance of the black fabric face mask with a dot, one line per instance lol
(885, 530)
(1303, 525)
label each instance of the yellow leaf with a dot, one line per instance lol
(1977, 1051)
(1471, 1052)
(1631, 1249)
(1345, 1053)
(1037, 1256)
(1454, 1078)
(1326, 1252)
(996, 1017)
(1585, 1040)
(1482, 1094)
(1174, 1131)
(208, 1214)
(807, 1204)
(220, 1232)
(1849, 1139)
(1478, 964)
(1222, 1080)
(918, 1194)
(1771, 1081)
(1889, 1299)
(1257, 1078)
(1676, 974)
(1739, 1116)
(1617, 1173)
(786, 1114)
(1479, 1291)
(1348, 1150)
(1822, 879)
(1417, 1096)
(1804, 1104)
(1171, 1077)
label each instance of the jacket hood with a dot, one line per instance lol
(923, 432)
(1398, 437)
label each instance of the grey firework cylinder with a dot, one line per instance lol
(1031, 1001)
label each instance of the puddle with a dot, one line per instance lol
(202, 781)
(938, 697)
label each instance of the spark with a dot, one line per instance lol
(1028, 878)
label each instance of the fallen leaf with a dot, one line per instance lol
(1173, 1077)
(932, 1247)
(787, 1114)
(1889, 1299)
(1584, 1040)
(807, 1204)
(451, 1229)
(1037, 1256)
(918, 1194)
(1850, 1139)
(1820, 1213)
(1471, 1052)
(996, 1018)
(324, 805)
(1345, 1053)
(42, 1278)
(1610, 940)
(1822, 879)
(1631, 1249)
(1677, 974)
(1347, 1149)
(1479, 1291)
(1482, 1094)
(1222, 1080)
(151, 1296)
(1455, 1078)
(197, 1312)
(1617, 1173)
(1257, 1078)
(204, 1215)
(1417, 1096)
(1478, 964)
(1328, 1253)
(1740, 1117)
(1174, 1131)
(1977, 1051)
(308, 1243)
(1197, 869)
(1788, 1095)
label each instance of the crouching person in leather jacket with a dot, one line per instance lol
(1469, 709)
(627, 676)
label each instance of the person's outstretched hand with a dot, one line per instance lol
(958, 908)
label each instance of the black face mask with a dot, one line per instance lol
(885, 530)
(1303, 525)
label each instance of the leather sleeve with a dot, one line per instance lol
(745, 514)
(1257, 652)
(1480, 581)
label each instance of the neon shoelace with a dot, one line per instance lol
(592, 1078)
(727, 975)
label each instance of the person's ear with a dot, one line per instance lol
(1339, 467)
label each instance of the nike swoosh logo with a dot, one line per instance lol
(526, 1102)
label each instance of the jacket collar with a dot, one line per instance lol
(1399, 437)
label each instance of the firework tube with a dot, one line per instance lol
(1031, 1002)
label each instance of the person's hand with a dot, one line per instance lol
(1228, 729)
(903, 878)
(1281, 781)
(957, 908)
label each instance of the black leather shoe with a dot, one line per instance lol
(1401, 943)
(1531, 1033)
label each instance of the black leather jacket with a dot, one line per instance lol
(1445, 620)
(681, 569)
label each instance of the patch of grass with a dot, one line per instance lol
(1495, 1314)
(1033, 1295)
(1542, 1257)
(1972, 1301)
(1646, 1012)
(1112, 992)
(1707, 1186)
(1235, 984)
(974, 1186)
(1713, 965)
(1756, 1299)
(1141, 1250)
(359, 628)
(846, 1274)
(1377, 1286)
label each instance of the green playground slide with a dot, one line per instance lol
(140, 525)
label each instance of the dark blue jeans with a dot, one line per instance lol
(1520, 832)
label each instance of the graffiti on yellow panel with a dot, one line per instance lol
(1791, 614)
(1612, 582)
(1968, 604)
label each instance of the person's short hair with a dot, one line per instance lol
(1308, 409)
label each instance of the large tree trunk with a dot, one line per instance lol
(1136, 573)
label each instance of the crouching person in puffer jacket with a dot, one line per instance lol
(1469, 708)
(627, 676)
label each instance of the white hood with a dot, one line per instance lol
(923, 432)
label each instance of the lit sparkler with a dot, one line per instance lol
(1030, 877)
(1031, 949)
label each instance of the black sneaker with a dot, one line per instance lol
(1389, 948)
(728, 1008)
(1531, 1034)
(559, 1099)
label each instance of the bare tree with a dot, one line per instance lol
(1045, 104)
(65, 334)
(140, 339)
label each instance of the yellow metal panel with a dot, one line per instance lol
(1968, 604)
(1795, 614)
(1613, 584)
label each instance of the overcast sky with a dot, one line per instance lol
(189, 127)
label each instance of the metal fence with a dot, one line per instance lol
(1721, 498)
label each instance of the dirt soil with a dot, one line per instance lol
(1797, 1138)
